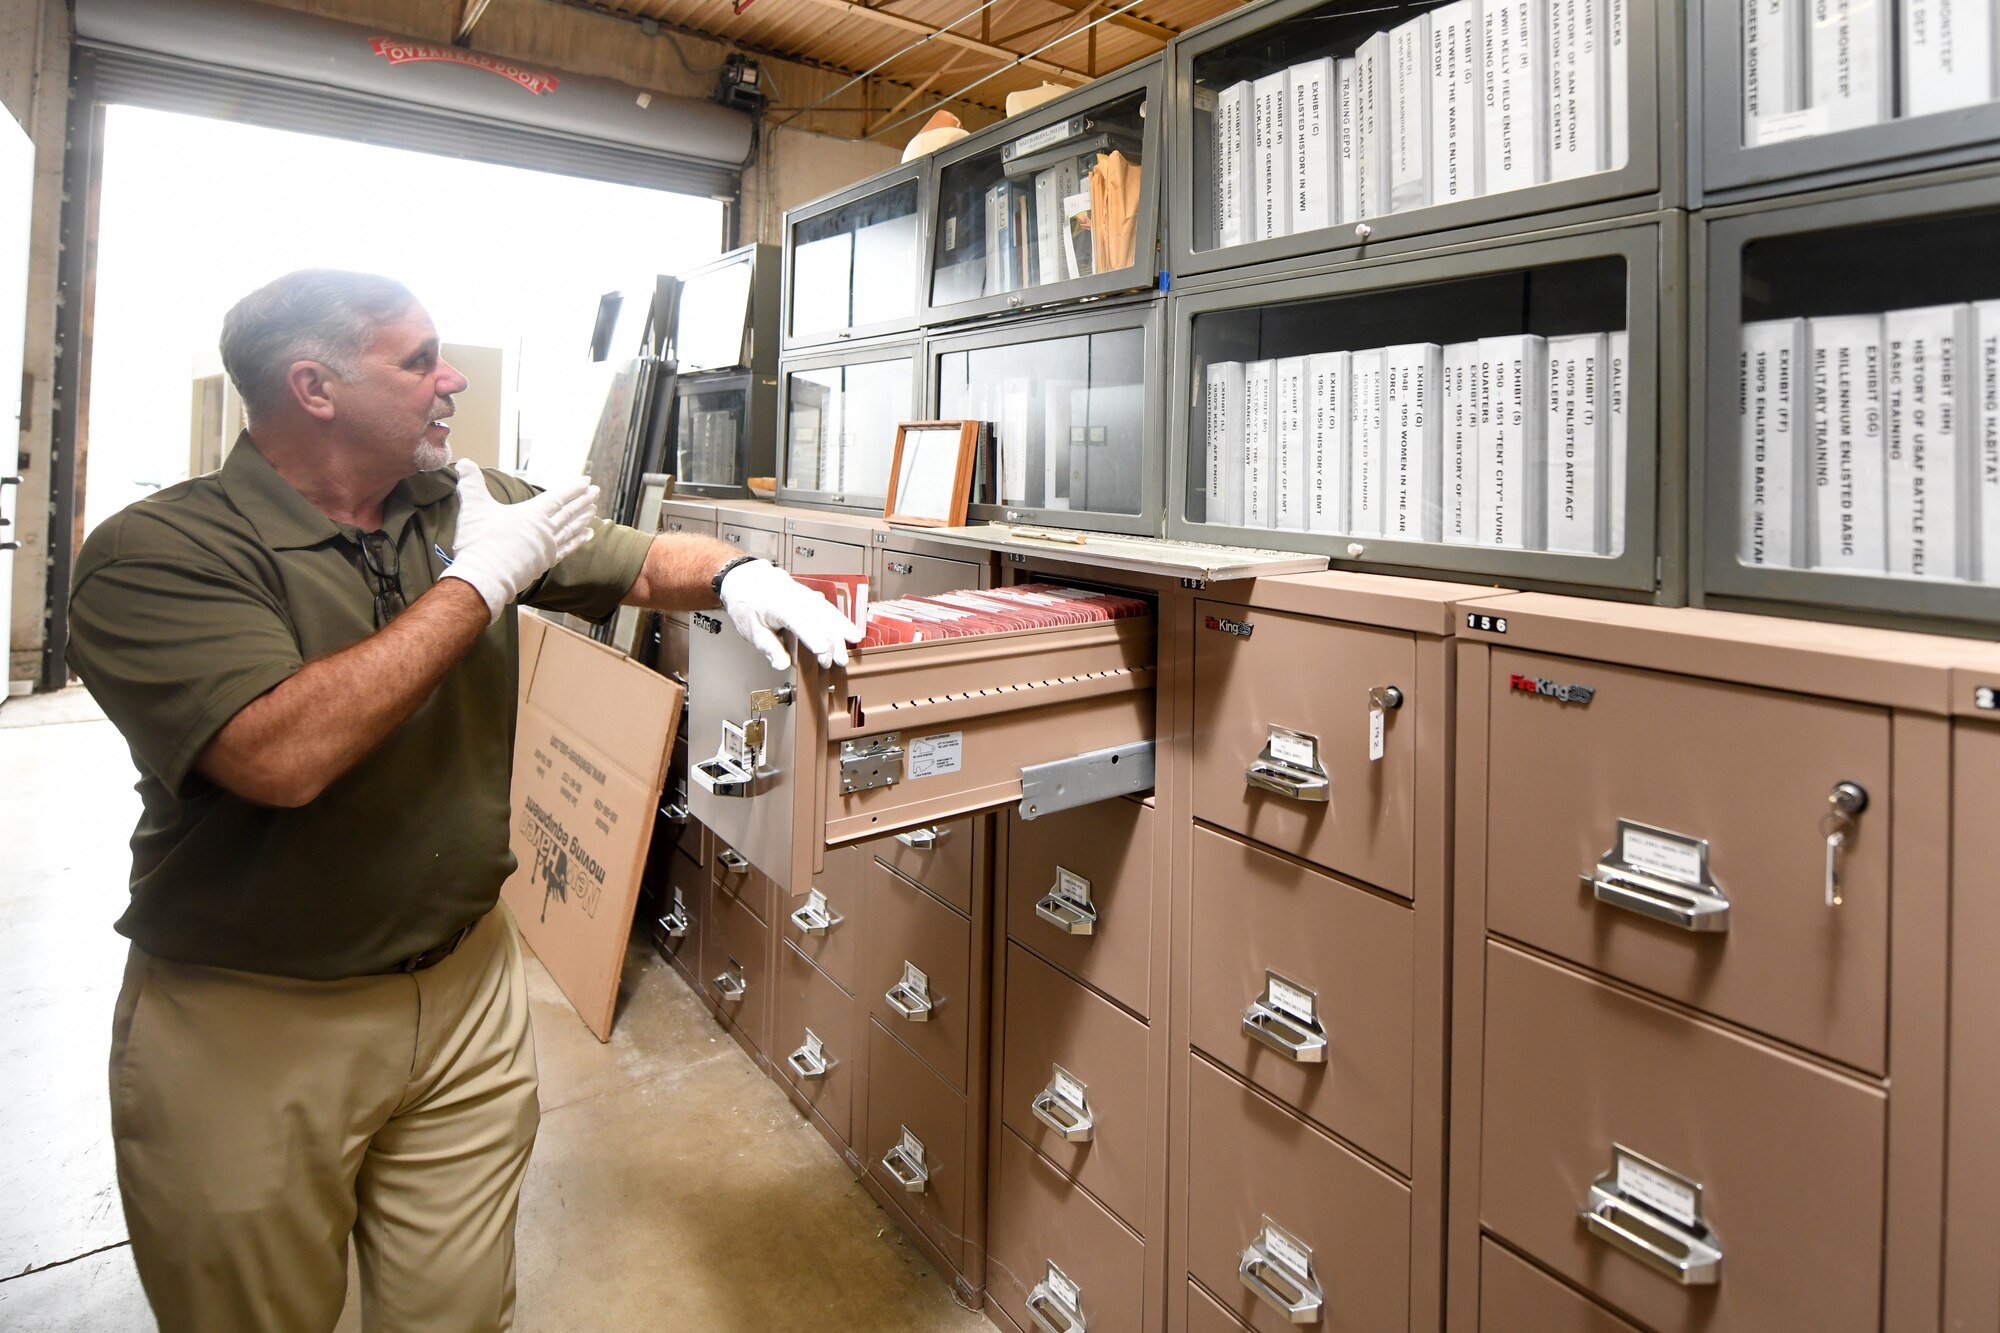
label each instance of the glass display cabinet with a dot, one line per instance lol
(1315, 126)
(1495, 413)
(840, 410)
(1052, 205)
(1847, 405)
(1800, 94)
(853, 260)
(725, 432)
(1072, 403)
(726, 317)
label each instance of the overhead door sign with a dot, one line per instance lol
(401, 51)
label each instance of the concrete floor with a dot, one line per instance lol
(672, 1186)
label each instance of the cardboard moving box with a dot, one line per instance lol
(595, 734)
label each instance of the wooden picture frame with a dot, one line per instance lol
(922, 493)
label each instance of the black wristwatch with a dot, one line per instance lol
(715, 584)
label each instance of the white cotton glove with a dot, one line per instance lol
(762, 599)
(502, 548)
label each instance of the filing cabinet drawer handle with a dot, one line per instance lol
(1691, 1259)
(731, 986)
(923, 839)
(1072, 1123)
(812, 919)
(1290, 783)
(917, 1008)
(677, 813)
(1661, 900)
(675, 924)
(808, 1065)
(1071, 918)
(1285, 1035)
(1042, 1304)
(912, 1176)
(1278, 1287)
(733, 861)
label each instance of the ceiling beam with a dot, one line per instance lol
(853, 10)
(1159, 32)
(469, 14)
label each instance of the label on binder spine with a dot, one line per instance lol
(1455, 109)
(1773, 63)
(1365, 498)
(1225, 392)
(1768, 399)
(1921, 364)
(1947, 54)
(1411, 435)
(1315, 146)
(1618, 434)
(1576, 88)
(1618, 82)
(1329, 427)
(1371, 147)
(1514, 133)
(1270, 162)
(1458, 406)
(1575, 434)
(1347, 194)
(1409, 118)
(1512, 373)
(1232, 165)
(1844, 448)
(1847, 71)
(1260, 494)
(1290, 460)
(1982, 394)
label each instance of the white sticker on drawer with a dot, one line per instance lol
(1066, 1292)
(1289, 1000)
(1295, 748)
(913, 1148)
(1659, 1190)
(934, 756)
(915, 982)
(1665, 854)
(814, 1050)
(1286, 1252)
(1072, 887)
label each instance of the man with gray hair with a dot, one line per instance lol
(323, 1029)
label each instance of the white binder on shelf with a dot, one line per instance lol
(1577, 111)
(1371, 129)
(1270, 160)
(1260, 492)
(1982, 396)
(1456, 63)
(1618, 435)
(1847, 63)
(1844, 445)
(1411, 436)
(1409, 120)
(1366, 502)
(1458, 409)
(1232, 165)
(1330, 426)
(1513, 370)
(1347, 146)
(1774, 36)
(1922, 359)
(1514, 128)
(1225, 393)
(1947, 53)
(1618, 82)
(1770, 463)
(1314, 127)
(1291, 478)
(1577, 479)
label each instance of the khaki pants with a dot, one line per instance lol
(261, 1120)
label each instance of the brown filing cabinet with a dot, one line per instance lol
(907, 565)
(739, 882)
(828, 544)
(752, 527)
(693, 518)
(736, 968)
(816, 1044)
(1081, 895)
(676, 907)
(826, 923)
(917, 966)
(1972, 1239)
(1695, 1084)
(1310, 949)
(1056, 1249)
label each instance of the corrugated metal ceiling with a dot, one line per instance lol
(851, 37)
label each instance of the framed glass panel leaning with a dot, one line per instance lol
(1308, 128)
(1847, 429)
(1494, 412)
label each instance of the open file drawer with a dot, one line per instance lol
(909, 734)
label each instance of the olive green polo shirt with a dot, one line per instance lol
(193, 602)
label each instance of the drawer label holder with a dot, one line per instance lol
(1653, 1215)
(1662, 876)
(1056, 1303)
(905, 1163)
(1064, 1106)
(1285, 1018)
(815, 917)
(737, 767)
(1277, 1268)
(911, 997)
(1289, 766)
(810, 1061)
(1067, 905)
(675, 922)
